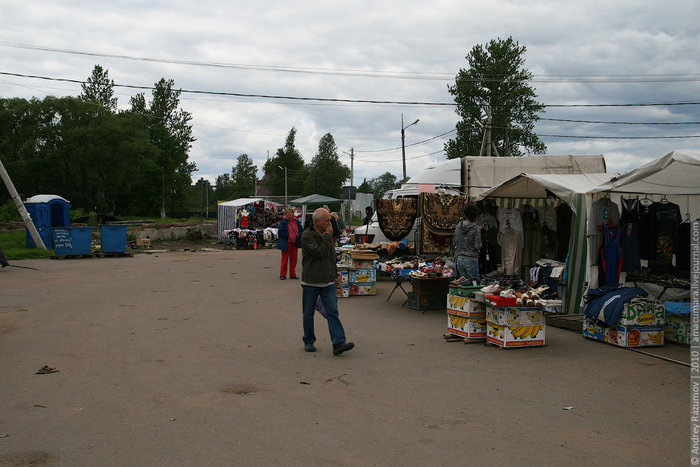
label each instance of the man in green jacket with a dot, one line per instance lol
(318, 278)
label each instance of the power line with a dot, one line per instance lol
(619, 123)
(410, 145)
(415, 75)
(620, 137)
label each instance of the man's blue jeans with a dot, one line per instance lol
(329, 298)
(467, 267)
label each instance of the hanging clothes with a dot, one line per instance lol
(683, 251)
(490, 255)
(603, 212)
(629, 239)
(511, 242)
(645, 232)
(532, 235)
(610, 256)
(564, 218)
(667, 218)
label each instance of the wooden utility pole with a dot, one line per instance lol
(22, 210)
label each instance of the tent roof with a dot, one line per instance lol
(45, 199)
(447, 172)
(565, 186)
(315, 199)
(676, 173)
(242, 202)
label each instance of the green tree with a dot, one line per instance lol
(289, 157)
(497, 80)
(243, 175)
(224, 187)
(171, 133)
(326, 173)
(99, 89)
(385, 182)
(365, 187)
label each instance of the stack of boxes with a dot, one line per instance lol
(512, 326)
(677, 325)
(342, 284)
(465, 316)
(362, 277)
(641, 324)
(428, 294)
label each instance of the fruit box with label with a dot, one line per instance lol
(465, 305)
(344, 276)
(356, 290)
(343, 291)
(643, 313)
(593, 330)
(513, 315)
(363, 276)
(463, 290)
(677, 329)
(362, 263)
(636, 336)
(509, 337)
(471, 328)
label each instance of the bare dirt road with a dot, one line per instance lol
(196, 359)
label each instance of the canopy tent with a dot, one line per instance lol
(314, 200)
(227, 212)
(575, 190)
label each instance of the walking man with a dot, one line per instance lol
(318, 277)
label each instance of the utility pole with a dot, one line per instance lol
(403, 146)
(285, 184)
(162, 206)
(22, 210)
(488, 131)
(352, 182)
(505, 145)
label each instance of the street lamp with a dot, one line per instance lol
(403, 145)
(285, 184)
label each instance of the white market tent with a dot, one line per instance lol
(675, 176)
(574, 189)
(228, 210)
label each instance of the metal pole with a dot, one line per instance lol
(352, 182)
(22, 210)
(285, 186)
(162, 206)
(403, 149)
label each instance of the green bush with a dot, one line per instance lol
(9, 213)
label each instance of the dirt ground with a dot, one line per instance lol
(195, 358)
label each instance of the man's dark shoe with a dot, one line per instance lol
(344, 347)
(309, 347)
(282, 278)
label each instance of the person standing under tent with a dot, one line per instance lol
(289, 240)
(467, 244)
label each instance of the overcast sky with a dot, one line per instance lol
(637, 51)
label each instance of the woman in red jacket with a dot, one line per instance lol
(288, 241)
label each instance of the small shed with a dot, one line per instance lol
(47, 212)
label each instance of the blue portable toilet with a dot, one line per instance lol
(47, 212)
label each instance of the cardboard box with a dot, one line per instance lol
(497, 300)
(509, 337)
(643, 313)
(514, 316)
(362, 263)
(466, 306)
(343, 291)
(636, 336)
(425, 302)
(143, 242)
(624, 336)
(471, 328)
(344, 277)
(363, 276)
(356, 289)
(677, 329)
(462, 290)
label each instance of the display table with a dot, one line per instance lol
(399, 278)
(429, 293)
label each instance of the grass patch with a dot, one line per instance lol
(14, 244)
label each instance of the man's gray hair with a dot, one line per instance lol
(318, 213)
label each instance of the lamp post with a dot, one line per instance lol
(403, 145)
(285, 184)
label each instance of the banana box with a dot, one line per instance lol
(513, 315)
(677, 329)
(363, 276)
(525, 335)
(362, 263)
(471, 328)
(357, 289)
(465, 305)
(344, 277)
(342, 290)
(593, 330)
(636, 336)
(463, 290)
(643, 313)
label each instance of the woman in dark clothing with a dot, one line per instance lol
(289, 237)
